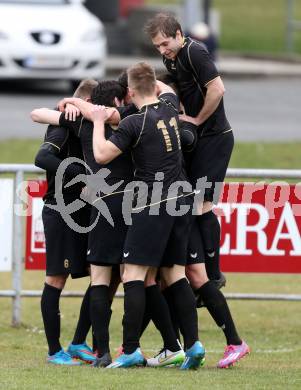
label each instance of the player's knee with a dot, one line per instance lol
(197, 276)
(133, 272)
(173, 274)
(100, 275)
(150, 279)
(57, 281)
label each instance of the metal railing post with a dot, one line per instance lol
(17, 255)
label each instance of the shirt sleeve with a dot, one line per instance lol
(125, 136)
(47, 158)
(74, 126)
(56, 136)
(171, 98)
(201, 63)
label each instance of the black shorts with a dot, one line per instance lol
(105, 243)
(195, 251)
(210, 158)
(66, 250)
(157, 240)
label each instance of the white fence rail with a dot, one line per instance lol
(16, 293)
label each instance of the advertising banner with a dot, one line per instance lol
(260, 227)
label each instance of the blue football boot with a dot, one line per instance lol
(63, 358)
(194, 357)
(82, 352)
(131, 360)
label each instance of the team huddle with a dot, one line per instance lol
(154, 152)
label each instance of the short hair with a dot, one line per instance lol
(163, 23)
(123, 79)
(106, 91)
(141, 77)
(85, 88)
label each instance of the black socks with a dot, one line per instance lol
(84, 321)
(174, 319)
(160, 315)
(185, 308)
(100, 313)
(51, 317)
(210, 232)
(218, 308)
(134, 306)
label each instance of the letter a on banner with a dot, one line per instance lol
(6, 223)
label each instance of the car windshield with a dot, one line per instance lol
(46, 2)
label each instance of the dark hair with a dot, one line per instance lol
(106, 91)
(166, 24)
(141, 77)
(123, 79)
(85, 88)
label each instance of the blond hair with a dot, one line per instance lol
(141, 78)
(85, 88)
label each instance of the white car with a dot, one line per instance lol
(50, 39)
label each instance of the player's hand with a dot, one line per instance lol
(62, 104)
(71, 112)
(191, 119)
(98, 114)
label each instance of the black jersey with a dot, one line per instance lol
(193, 69)
(63, 145)
(125, 111)
(153, 137)
(121, 168)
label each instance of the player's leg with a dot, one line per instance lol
(78, 348)
(77, 255)
(105, 245)
(57, 271)
(50, 311)
(134, 305)
(184, 304)
(100, 311)
(208, 293)
(216, 304)
(210, 159)
(173, 271)
(158, 310)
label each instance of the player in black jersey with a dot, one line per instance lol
(156, 236)
(105, 241)
(201, 93)
(65, 249)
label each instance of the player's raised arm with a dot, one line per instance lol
(79, 103)
(104, 151)
(46, 116)
(163, 88)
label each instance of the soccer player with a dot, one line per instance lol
(65, 249)
(201, 93)
(152, 240)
